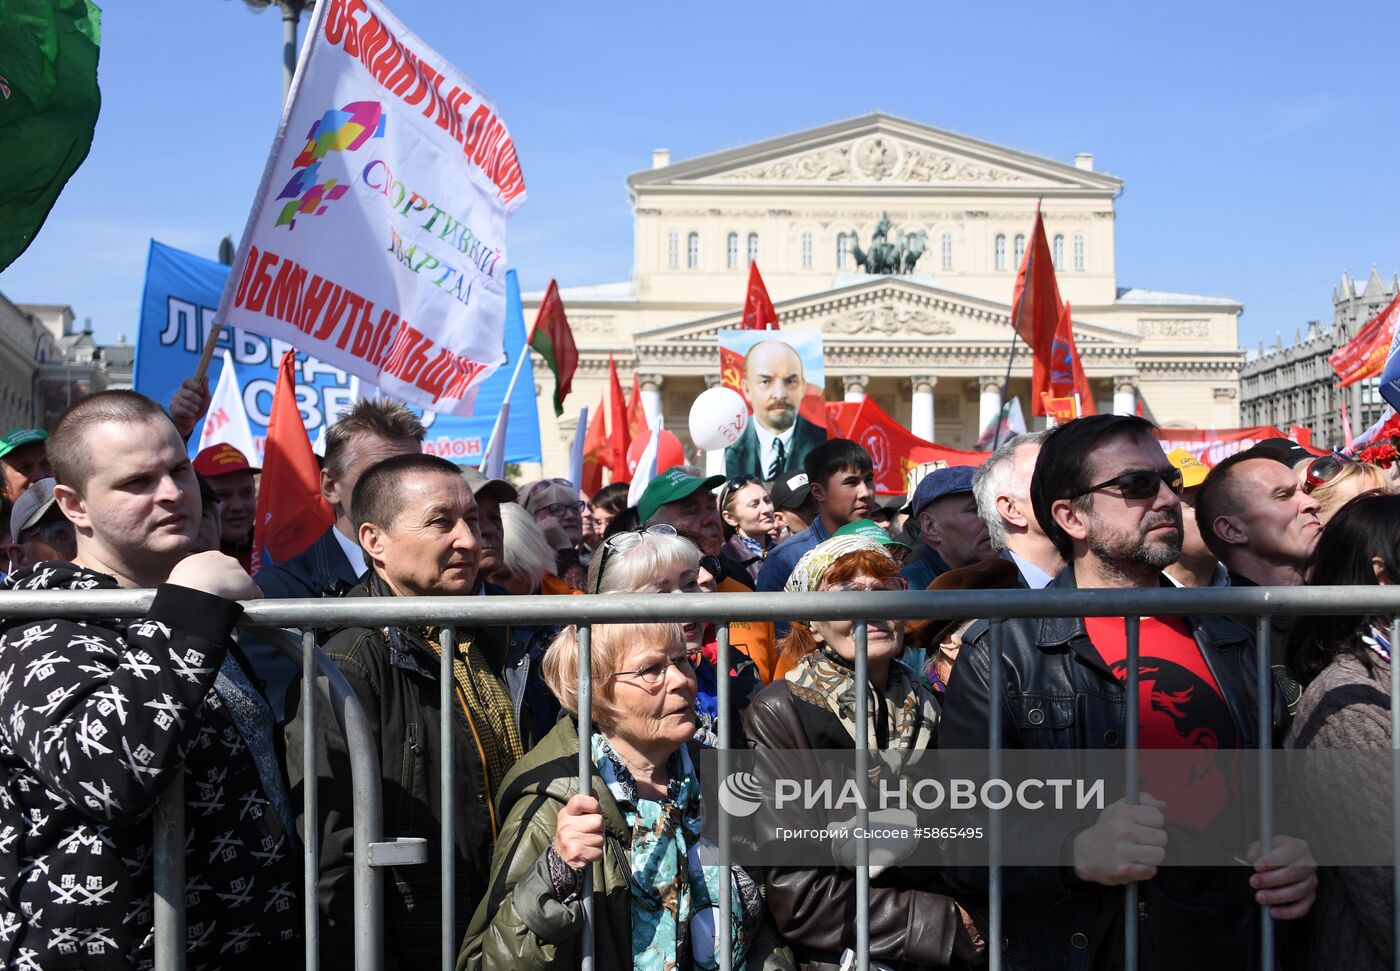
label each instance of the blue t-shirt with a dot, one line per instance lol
(783, 558)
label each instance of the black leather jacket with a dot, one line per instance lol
(1059, 694)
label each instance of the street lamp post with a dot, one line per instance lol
(291, 16)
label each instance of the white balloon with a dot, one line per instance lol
(717, 418)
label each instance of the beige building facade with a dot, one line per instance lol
(930, 345)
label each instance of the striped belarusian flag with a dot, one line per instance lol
(554, 341)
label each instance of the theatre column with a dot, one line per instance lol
(1125, 394)
(714, 458)
(855, 385)
(651, 397)
(921, 419)
(990, 401)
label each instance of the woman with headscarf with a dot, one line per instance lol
(912, 924)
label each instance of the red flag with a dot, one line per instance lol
(1364, 356)
(1063, 410)
(291, 514)
(618, 440)
(637, 426)
(1035, 309)
(758, 309)
(893, 449)
(595, 443)
(554, 340)
(1066, 373)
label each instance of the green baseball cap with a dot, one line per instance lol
(19, 437)
(876, 533)
(670, 486)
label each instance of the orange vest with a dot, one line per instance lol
(753, 638)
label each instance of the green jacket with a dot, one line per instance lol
(519, 924)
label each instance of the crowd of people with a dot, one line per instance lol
(99, 717)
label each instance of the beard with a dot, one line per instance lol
(780, 417)
(1121, 547)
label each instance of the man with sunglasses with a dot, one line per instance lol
(1110, 500)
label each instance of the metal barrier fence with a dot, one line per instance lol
(373, 852)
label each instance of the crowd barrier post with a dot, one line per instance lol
(447, 855)
(168, 875)
(723, 700)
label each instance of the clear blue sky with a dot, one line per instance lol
(1257, 142)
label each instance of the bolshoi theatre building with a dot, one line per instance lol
(929, 343)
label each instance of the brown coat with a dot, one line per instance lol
(912, 924)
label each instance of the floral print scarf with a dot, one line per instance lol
(673, 892)
(906, 712)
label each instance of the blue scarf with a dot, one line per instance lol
(673, 893)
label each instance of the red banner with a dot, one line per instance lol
(1364, 355)
(894, 450)
(1210, 445)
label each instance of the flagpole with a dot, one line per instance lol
(1006, 382)
(510, 389)
(1016, 332)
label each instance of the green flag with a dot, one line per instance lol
(48, 108)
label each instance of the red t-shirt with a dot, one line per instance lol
(1181, 708)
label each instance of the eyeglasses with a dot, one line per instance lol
(1139, 483)
(1322, 470)
(654, 674)
(622, 542)
(712, 566)
(886, 586)
(736, 483)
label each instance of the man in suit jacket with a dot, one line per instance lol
(778, 438)
(374, 430)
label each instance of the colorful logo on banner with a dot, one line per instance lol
(177, 315)
(345, 130)
(393, 177)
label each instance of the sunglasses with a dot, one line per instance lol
(622, 542)
(712, 566)
(1139, 483)
(734, 485)
(1322, 470)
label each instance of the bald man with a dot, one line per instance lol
(778, 438)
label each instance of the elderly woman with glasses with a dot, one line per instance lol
(912, 923)
(655, 884)
(750, 524)
(659, 560)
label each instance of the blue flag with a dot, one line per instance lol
(1390, 377)
(177, 313)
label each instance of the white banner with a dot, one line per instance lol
(227, 420)
(377, 240)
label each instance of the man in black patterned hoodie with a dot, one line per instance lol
(98, 717)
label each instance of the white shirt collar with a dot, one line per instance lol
(353, 554)
(1035, 577)
(1220, 579)
(767, 451)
